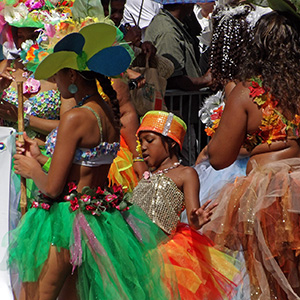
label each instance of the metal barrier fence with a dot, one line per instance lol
(186, 104)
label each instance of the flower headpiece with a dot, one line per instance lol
(93, 48)
(164, 123)
(31, 13)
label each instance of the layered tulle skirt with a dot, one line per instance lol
(202, 272)
(121, 171)
(115, 252)
(259, 214)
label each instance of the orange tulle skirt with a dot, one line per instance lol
(121, 171)
(202, 271)
(259, 215)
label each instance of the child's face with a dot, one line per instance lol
(153, 149)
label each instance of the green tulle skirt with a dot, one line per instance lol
(115, 253)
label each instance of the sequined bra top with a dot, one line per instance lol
(274, 126)
(102, 154)
(161, 200)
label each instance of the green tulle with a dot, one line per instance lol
(129, 267)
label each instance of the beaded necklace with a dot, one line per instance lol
(148, 174)
(81, 102)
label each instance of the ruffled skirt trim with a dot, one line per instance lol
(260, 215)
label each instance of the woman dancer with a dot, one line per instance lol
(75, 218)
(202, 271)
(260, 213)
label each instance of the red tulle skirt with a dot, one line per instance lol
(202, 271)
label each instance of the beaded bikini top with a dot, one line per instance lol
(161, 200)
(102, 154)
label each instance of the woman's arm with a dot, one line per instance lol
(70, 132)
(226, 143)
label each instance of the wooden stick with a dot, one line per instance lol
(23, 199)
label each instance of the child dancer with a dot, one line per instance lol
(202, 271)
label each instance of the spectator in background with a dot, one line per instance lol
(140, 13)
(172, 40)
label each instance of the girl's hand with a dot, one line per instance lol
(30, 148)
(202, 215)
(25, 166)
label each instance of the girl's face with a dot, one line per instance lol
(154, 150)
(24, 34)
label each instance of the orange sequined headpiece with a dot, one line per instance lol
(164, 123)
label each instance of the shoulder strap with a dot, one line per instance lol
(98, 120)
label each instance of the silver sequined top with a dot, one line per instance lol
(161, 200)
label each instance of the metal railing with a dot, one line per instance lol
(186, 104)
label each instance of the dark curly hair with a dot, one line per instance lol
(229, 40)
(274, 55)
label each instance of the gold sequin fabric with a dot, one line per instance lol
(161, 200)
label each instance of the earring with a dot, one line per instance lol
(72, 88)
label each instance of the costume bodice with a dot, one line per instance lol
(274, 126)
(44, 105)
(102, 154)
(161, 200)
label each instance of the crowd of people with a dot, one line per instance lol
(112, 211)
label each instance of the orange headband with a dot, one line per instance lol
(164, 123)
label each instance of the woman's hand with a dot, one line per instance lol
(202, 215)
(8, 111)
(6, 77)
(30, 148)
(25, 165)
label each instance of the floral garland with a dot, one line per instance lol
(211, 112)
(274, 125)
(95, 201)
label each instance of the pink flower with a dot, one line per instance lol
(90, 208)
(72, 186)
(99, 191)
(50, 30)
(31, 86)
(146, 175)
(35, 204)
(110, 198)
(45, 206)
(85, 198)
(74, 204)
(117, 188)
